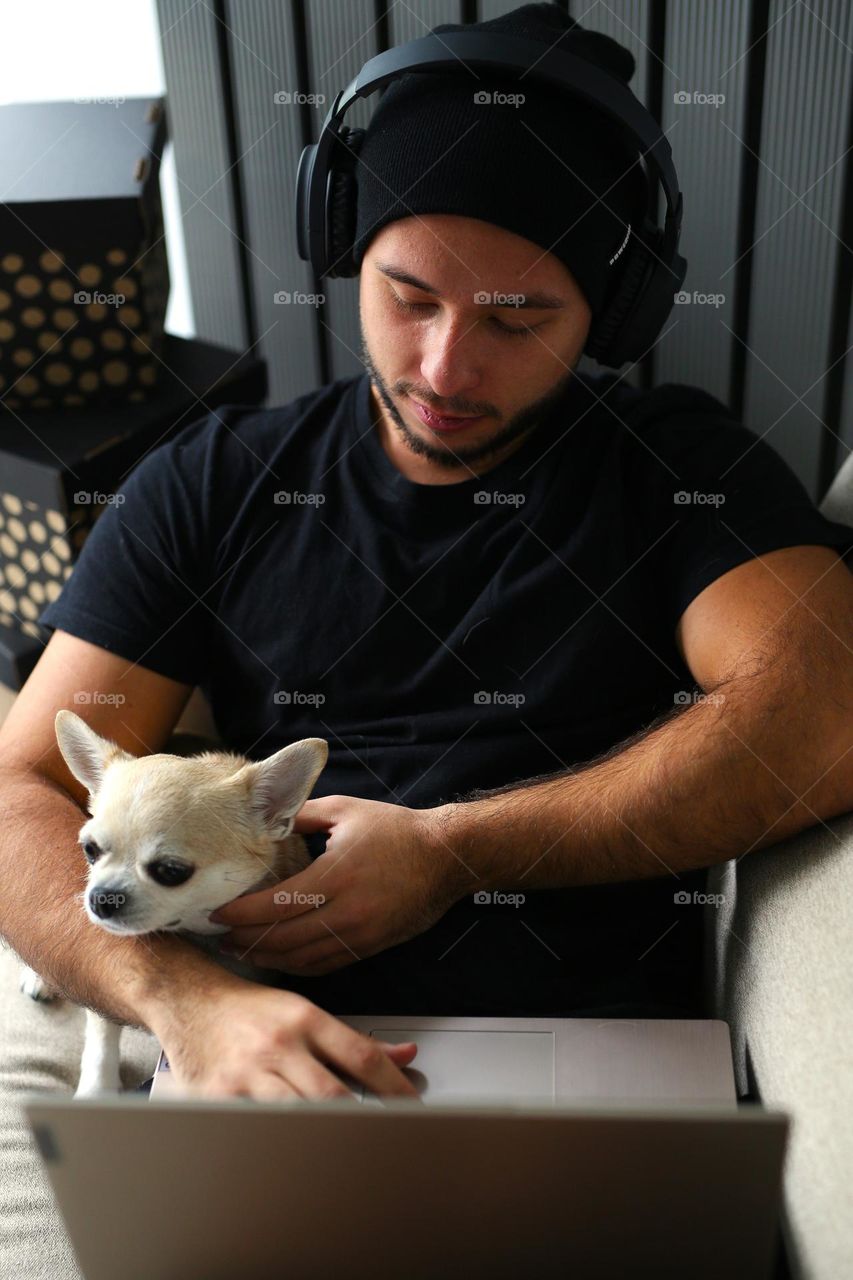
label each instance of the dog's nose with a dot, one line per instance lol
(106, 903)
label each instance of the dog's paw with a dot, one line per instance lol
(96, 1086)
(97, 1077)
(34, 986)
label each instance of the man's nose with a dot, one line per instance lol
(106, 903)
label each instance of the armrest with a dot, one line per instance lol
(780, 972)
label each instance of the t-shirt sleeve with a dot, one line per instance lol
(728, 496)
(138, 584)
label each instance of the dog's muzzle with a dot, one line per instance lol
(106, 903)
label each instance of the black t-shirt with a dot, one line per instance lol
(443, 638)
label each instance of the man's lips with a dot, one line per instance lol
(442, 422)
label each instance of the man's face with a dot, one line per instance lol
(458, 355)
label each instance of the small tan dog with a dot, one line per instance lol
(172, 838)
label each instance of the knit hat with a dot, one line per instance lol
(536, 168)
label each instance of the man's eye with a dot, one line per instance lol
(409, 306)
(515, 331)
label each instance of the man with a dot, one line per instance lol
(566, 654)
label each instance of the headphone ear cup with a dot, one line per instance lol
(341, 204)
(602, 342)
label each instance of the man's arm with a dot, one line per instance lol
(768, 753)
(42, 868)
(225, 1036)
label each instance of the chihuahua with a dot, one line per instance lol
(169, 840)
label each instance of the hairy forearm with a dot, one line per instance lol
(738, 771)
(135, 980)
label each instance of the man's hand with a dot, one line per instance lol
(385, 876)
(242, 1040)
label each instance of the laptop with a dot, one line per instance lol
(545, 1060)
(536, 1173)
(179, 1189)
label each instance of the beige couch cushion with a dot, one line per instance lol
(40, 1047)
(783, 980)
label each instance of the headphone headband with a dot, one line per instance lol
(653, 272)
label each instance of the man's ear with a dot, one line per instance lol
(85, 752)
(280, 785)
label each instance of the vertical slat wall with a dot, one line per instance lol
(844, 441)
(191, 42)
(838, 411)
(806, 104)
(269, 118)
(342, 36)
(704, 55)
(783, 264)
(410, 21)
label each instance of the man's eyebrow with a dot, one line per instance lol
(537, 301)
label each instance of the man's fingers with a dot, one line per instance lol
(273, 1088)
(277, 903)
(401, 1053)
(289, 963)
(314, 1080)
(338, 959)
(283, 937)
(302, 959)
(362, 1058)
(315, 815)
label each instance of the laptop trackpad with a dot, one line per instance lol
(479, 1066)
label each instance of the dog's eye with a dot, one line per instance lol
(91, 850)
(169, 873)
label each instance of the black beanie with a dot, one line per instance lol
(431, 147)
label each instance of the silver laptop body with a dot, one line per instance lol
(204, 1190)
(539, 1147)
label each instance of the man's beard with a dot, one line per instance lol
(452, 457)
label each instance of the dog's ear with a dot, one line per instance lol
(85, 752)
(280, 785)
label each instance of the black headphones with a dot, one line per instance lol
(643, 296)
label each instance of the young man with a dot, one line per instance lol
(471, 571)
